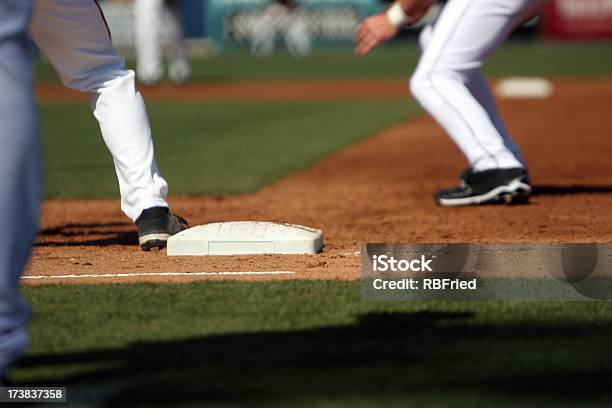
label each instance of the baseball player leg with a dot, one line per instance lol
(465, 34)
(479, 88)
(179, 69)
(148, 28)
(20, 178)
(73, 36)
(297, 37)
(266, 30)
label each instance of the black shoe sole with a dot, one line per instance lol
(159, 225)
(515, 192)
(155, 244)
(153, 241)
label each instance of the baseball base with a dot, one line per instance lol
(245, 238)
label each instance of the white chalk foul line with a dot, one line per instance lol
(129, 275)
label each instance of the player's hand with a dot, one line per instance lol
(372, 32)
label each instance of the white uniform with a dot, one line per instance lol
(448, 82)
(156, 20)
(280, 20)
(74, 37)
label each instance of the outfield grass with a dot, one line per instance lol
(311, 344)
(211, 148)
(396, 61)
(399, 60)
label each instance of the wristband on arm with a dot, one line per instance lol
(397, 16)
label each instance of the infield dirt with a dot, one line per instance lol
(378, 190)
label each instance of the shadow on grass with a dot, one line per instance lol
(97, 234)
(383, 357)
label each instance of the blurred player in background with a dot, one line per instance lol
(20, 174)
(74, 37)
(281, 18)
(159, 22)
(449, 84)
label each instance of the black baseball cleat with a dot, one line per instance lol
(156, 225)
(495, 186)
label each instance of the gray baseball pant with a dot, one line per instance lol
(20, 173)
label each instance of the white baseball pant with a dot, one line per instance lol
(74, 37)
(448, 82)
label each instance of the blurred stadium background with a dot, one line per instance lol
(217, 25)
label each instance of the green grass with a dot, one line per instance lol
(397, 60)
(211, 148)
(311, 344)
